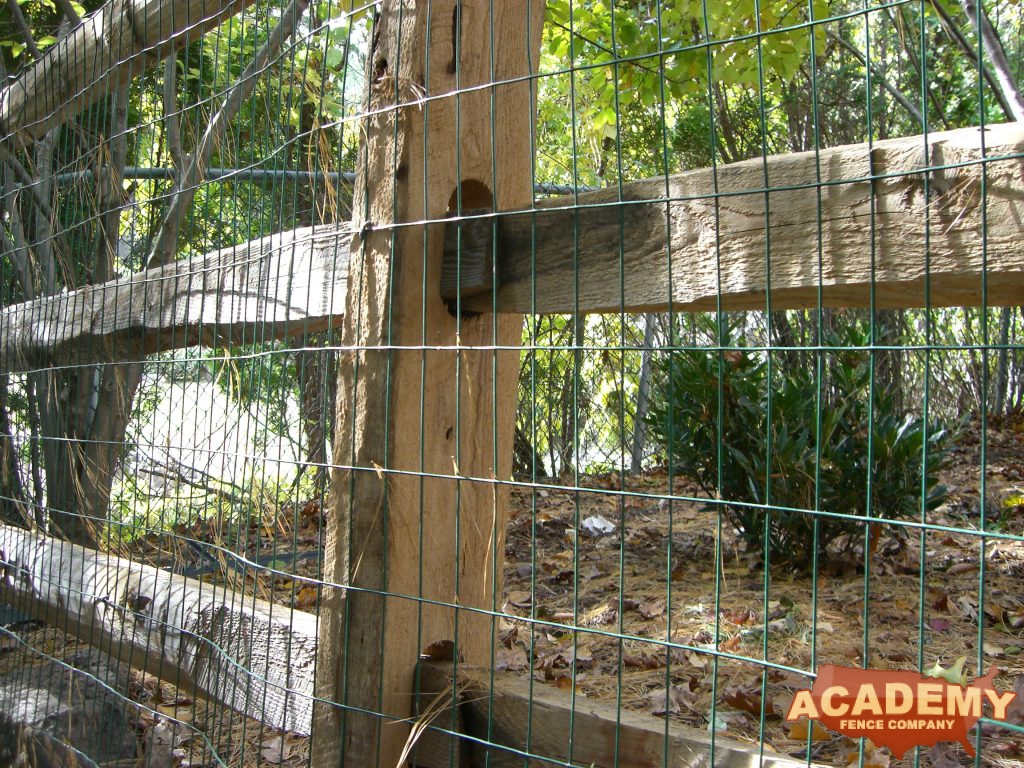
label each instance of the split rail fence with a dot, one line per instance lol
(446, 252)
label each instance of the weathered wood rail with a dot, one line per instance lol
(112, 45)
(732, 233)
(655, 245)
(256, 657)
(278, 286)
(513, 718)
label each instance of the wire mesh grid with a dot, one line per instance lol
(459, 383)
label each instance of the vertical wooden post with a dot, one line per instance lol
(416, 400)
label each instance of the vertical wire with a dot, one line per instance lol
(769, 400)
(428, 86)
(872, 352)
(497, 555)
(718, 340)
(672, 342)
(984, 393)
(819, 368)
(928, 331)
(533, 331)
(579, 329)
(620, 608)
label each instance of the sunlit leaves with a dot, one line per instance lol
(610, 61)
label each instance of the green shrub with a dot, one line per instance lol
(710, 414)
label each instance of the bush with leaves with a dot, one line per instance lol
(773, 445)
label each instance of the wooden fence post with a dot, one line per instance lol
(426, 406)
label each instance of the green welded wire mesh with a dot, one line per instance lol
(705, 504)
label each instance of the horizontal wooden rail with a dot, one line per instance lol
(517, 717)
(728, 234)
(112, 45)
(258, 659)
(253, 656)
(278, 286)
(849, 221)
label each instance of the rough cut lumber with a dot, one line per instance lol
(294, 282)
(111, 46)
(278, 286)
(412, 400)
(680, 243)
(510, 710)
(255, 657)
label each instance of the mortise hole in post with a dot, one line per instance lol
(467, 267)
(439, 650)
(474, 194)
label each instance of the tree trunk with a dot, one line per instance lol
(1003, 362)
(12, 496)
(96, 401)
(573, 400)
(640, 419)
(318, 386)
(890, 361)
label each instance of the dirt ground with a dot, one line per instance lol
(614, 558)
(922, 602)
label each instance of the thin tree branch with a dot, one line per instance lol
(172, 126)
(880, 77)
(957, 36)
(28, 182)
(110, 187)
(166, 242)
(993, 47)
(65, 7)
(899, 21)
(23, 28)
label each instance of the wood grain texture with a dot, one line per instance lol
(674, 241)
(111, 46)
(424, 405)
(880, 231)
(278, 286)
(255, 657)
(543, 721)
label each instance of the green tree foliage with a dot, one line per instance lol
(633, 90)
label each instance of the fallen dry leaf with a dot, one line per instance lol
(277, 751)
(740, 617)
(652, 609)
(601, 614)
(520, 598)
(802, 727)
(671, 701)
(849, 754)
(306, 597)
(563, 683)
(745, 700)
(730, 645)
(644, 660)
(942, 756)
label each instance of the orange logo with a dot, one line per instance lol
(899, 710)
